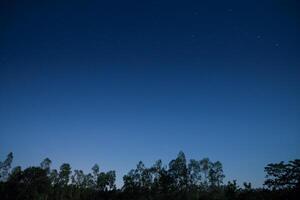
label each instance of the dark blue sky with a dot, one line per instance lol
(122, 81)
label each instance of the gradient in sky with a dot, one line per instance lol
(115, 82)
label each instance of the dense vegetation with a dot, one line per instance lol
(192, 180)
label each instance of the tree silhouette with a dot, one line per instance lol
(281, 175)
(194, 171)
(205, 164)
(179, 172)
(179, 180)
(5, 167)
(45, 164)
(64, 174)
(215, 174)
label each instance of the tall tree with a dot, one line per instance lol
(155, 173)
(5, 167)
(194, 171)
(95, 172)
(45, 164)
(78, 178)
(106, 181)
(178, 171)
(64, 174)
(129, 180)
(139, 178)
(281, 175)
(205, 165)
(215, 174)
(111, 179)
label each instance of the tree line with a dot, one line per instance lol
(180, 179)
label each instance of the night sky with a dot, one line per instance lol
(115, 82)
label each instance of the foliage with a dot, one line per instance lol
(281, 175)
(179, 180)
(5, 166)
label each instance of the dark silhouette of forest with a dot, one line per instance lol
(180, 179)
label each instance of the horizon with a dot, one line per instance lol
(117, 82)
(119, 177)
